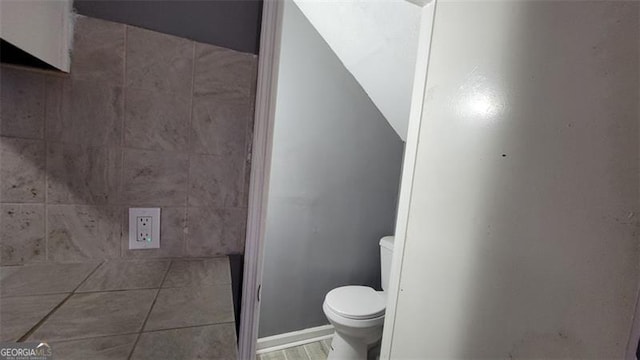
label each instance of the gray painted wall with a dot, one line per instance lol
(334, 182)
(233, 24)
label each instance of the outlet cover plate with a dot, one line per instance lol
(154, 240)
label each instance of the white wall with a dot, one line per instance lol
(522, 229)
(334, 181)
(377, 42)
(42, 28)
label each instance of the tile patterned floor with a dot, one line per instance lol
(318, 350)
(124, 309)
(312, 351)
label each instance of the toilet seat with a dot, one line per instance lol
(356, 302)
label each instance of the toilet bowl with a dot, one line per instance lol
(357, 312)
(357, 315)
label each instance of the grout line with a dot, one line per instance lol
(116, 290)
(45, 318)
(188, 327)
(307, 351)
(46, 172)
(164, 278)
(195, 285)
(35, 327)
(190, 152)
(32, 295)
(153, 303)
(88, 276)
(94, 337)
(137, 332)
(120, 200)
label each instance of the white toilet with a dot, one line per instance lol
(357, 312)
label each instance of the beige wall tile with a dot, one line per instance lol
(79, 232)
(154, 178)
(90, 113)
(214, 232)
(215, 181)
(117, 133)
(22, 170)
(223, 70)
(156, 120)
(219, 125)
(158, 61)
(79, 174)
(21, 103)
(98, 51)
(22, 237)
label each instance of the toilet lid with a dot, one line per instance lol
(356, 302)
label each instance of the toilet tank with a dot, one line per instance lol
(386, 254)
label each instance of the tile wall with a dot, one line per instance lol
(144, 119)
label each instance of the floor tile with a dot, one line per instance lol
(97, 314)
(101, 348)
(129, 274)
(45, 278)
(8, 270)
(296, 353)
(19, 314)
(184, 273)
(326, 345)
(197, 305)
(316, 351)
(274, 355)
(202, 342)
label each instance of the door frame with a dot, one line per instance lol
(418, 94)
(268, 60)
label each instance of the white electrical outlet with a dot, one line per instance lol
(144, 228)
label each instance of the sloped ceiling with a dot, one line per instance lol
(377, 42)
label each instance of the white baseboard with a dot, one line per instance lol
(294, 338)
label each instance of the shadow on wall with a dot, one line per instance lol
(165, 122)
(556, 181)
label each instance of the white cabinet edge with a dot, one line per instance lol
(42, 28)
